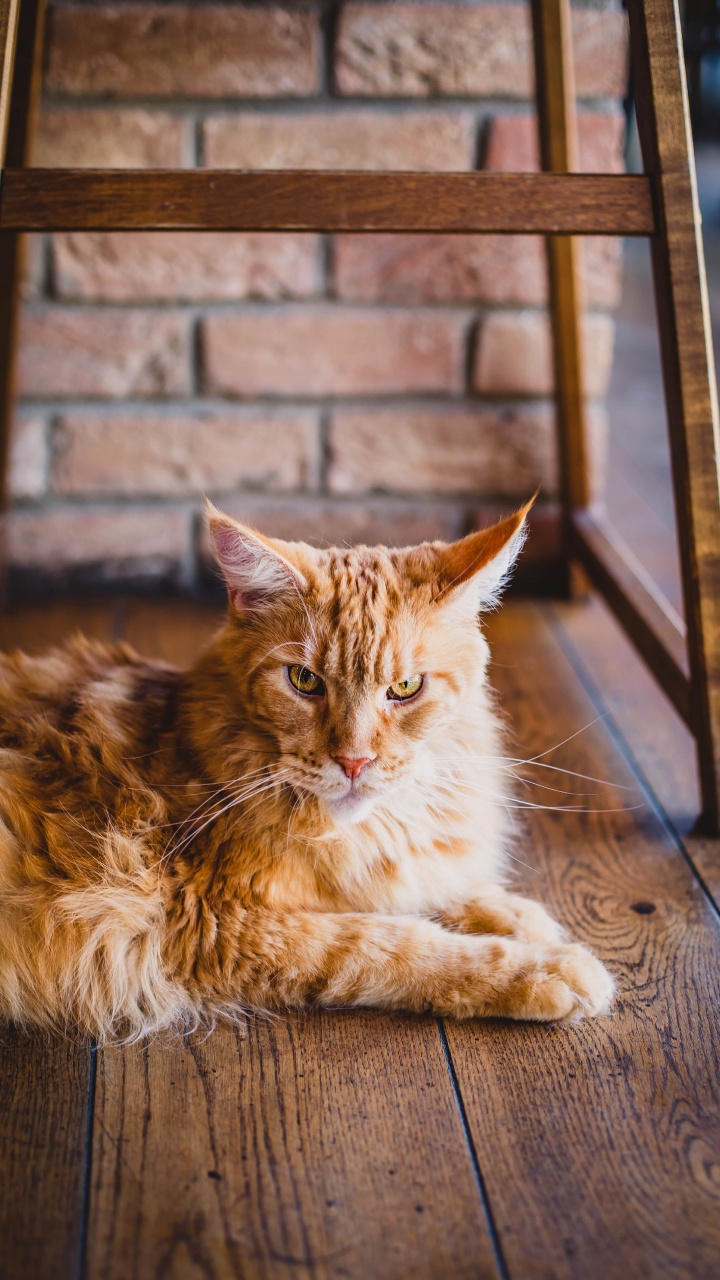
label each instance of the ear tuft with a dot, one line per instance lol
(474, 570)
(255, 570)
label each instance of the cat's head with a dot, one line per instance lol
(350, 662)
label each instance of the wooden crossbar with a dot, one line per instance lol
(222, 200)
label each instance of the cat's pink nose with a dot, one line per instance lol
(351, 766)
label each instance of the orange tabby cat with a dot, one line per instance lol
(310, 815)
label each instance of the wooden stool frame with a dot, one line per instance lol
(559, 203)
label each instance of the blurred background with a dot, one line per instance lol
(385, 388)
(639, 490)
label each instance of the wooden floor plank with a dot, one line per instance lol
(35, 627)
(44, 1080)
(600, 1144)
(660, 745)
(44, 1086)
(321, 1146)
(171, 630)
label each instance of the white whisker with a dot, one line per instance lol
(236, 800)
(519, 803)
(518, 761)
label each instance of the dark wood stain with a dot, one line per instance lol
(220, 200)
(600, 1145)
(44, 1083)
(297, 1146)
(660, 746)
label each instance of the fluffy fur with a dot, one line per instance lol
(181, 845)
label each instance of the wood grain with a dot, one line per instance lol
(311, 1146)
(44, 1087)
(75, 200)
(661, 747)
(172, 630)
(36, 627)
(600, 1145)
(656, 738)
(687, 361)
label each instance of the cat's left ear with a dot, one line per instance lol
(257, 570)
(471, 573)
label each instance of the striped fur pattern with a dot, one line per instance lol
(179, 846)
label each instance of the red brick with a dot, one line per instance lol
(501, 452)
(333, 522)
(28, 458)
(111, 138)
(122, 541)
(207, 51)
(85, 352)
(484, 50)
(342, 140)
(184, 266)
(332, 351)
(601, 270)
(513, 144)
(33, 267)
(170, 454)
(489, 269)
(514, 354)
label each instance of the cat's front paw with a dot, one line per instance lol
(564, 984)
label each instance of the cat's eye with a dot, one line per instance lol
(305, 681)
(404, 689)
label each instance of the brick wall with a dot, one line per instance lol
(347, 387)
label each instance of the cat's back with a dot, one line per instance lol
(84, 697)
(80, 729)
(40, 683)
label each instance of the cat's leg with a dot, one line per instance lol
(270, 961)
(493, 910)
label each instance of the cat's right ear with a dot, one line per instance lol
(255, 570)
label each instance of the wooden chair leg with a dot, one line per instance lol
(22, 96)
(557, 119)
(687, 361)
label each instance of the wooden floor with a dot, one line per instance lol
(380, 1148)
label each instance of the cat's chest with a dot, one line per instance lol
(428, 879)
(407, 876)
(417, 862)
(415, 881)
(436, 862)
